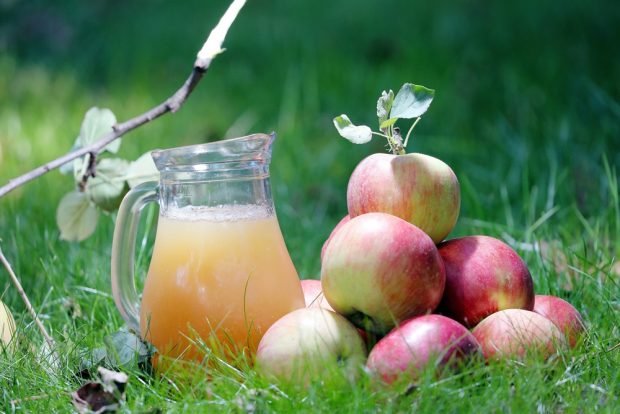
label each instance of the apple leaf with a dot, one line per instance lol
(356, 134)
(76, 217)
(388, 123)
(411, 101)
(141, 170)
(98, 122)
(108, 186)
(384, 104)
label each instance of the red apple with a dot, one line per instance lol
(415, 187)
(379, 270)
(563, 315)
(483, 275)
(303, 344)
(313, 294)
(344, 220)
(409, 348)
(517, 333)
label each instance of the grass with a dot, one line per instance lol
(527, 114)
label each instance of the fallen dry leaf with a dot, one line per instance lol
(103, 396)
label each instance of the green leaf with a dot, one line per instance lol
(98, 122)
(76, 217)
(121, 349)
(125, 348)
(356, 134)
(388, 123)
(384, 104)
(108, 187)
(411, 101)
(141, 170)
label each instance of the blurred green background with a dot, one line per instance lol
(527, 113)
(526, 109)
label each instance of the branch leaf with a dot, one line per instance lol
(108, 187)
(98, 122)
(384, 104)
(411, 101)
(141, 170)
(76, 217)
(356, 134)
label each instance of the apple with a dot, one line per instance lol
(313, 294)
(379, 270)
(517, 333)
(314, 298)
(415, 187)
(409, 348)
(344, 220)
(303, 344)
(563, 315)
(7, 326)
(483, 275)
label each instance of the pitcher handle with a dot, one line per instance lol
(123, 249)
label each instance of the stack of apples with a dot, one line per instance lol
(391, 284)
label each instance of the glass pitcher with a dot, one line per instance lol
(220, 274)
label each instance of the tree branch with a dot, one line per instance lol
(211, 48)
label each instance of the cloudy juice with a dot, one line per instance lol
(219, 277)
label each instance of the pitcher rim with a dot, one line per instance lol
(253, 147)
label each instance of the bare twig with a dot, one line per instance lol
(33, 313)
(211, 48)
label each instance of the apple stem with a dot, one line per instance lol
(394, 139)
(396, 142)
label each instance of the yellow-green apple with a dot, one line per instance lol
(344, 220)
(314, 298)
(483, 275)
(415, 187)
(516, 333)
(379, 270)
(7, 326)
(313, 294)
(302, 345)
(409, 348)
(563, 315)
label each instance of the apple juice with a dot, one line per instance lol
(219, 275)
